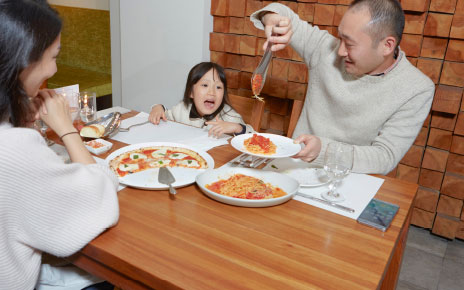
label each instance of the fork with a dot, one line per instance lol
(128, 128)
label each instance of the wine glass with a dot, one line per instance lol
(73, 100)
(338, 162)
(88, 106)
(42, 128)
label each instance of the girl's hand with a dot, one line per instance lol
(157, 113)
(55, 112)
(221, 127)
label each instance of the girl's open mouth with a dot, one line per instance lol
(209, 104)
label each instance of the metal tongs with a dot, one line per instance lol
(259, 75)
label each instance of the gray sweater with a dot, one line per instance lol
(380, 115)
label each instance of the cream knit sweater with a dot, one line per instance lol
(380, 115)
(46, 205)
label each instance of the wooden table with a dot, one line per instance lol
(194, 242)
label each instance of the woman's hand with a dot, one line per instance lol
(312, 147)
(222, 127)
(55, 112)
(278, 30)
(157, 113)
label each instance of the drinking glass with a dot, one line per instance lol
(42, 128)
(73, 100)
(88, 106)
(338, 162)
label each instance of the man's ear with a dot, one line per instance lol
(389, 44)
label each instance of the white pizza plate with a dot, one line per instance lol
(148, 179)
(287, 184)
(306, 174)
(285, 146)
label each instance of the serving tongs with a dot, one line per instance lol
(259, 75)
(111, 122)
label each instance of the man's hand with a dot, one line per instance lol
(157, 113)
(278, 30)
(312, 147)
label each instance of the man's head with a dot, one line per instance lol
(370, 32)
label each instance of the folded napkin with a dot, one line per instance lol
(167, 132)
(358, 190)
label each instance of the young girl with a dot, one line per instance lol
(205, 103)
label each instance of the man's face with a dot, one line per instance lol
(356, 45)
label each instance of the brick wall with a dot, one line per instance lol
(433, 41)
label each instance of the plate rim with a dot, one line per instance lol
(267, 135)
(208, 158)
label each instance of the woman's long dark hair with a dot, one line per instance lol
(27, 29)
(195, 74)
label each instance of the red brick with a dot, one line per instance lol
(430, 67)
(408, 173)
(245, 80)
(443, 121)
(234, 61)
(237, 8)
(221, 24)
(248, 44)
(414, 23)
(249, 28)
(457, 145)
(298, 72)
(413, 157)
(218, 57)
(279, 106)
(434, 47)
(452, 74)
(296, 91)
(415, 5)
(216, 41)
(457, 28)
(447, 99)
(324, 14)
(249, 63)
(455, 51)
(446, 6)
(453, 185)
(339, 12)
(435, 159)
(455, 164)
(219, 7)
(275, 87)
(440, 139)
(280, 68)
(236, 25)
(438, 25)
(252, 6)
(430, 178)
(411, 44)
(421, 138)
(459, 129)
(233, 78)
(306, 11)
(285, 53)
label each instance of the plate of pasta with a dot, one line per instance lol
(265, 145)
(247, 187)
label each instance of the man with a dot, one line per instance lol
(362, 90)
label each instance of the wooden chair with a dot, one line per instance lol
(250, 109)
(297, 107)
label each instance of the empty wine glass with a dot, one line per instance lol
(338, 162)
(42, 128)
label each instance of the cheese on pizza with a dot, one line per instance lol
(154, 157)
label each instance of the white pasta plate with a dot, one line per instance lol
(286, 183)
(306, 174)
(284, 145)
(148, 179)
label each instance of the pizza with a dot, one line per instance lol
(155, 157)
(258, 144)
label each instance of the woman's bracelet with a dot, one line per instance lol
(72, 132)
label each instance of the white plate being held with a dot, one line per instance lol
(306, 174)
(286, 183)
(148, 179)
(285, 145)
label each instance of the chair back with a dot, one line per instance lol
(250, 109)
(297, 107)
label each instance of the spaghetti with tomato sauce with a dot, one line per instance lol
(260, 145)
(245, 187)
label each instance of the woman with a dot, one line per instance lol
(45, 205)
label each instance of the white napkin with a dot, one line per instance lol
(167, 132)
(121, 110)
(358, 190)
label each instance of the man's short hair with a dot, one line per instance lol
(387, 18)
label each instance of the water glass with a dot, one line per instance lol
(88, 106)
(338, 162)
(40, 126)
(73, 100)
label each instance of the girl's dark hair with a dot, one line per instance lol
(27, 29)
(195, 74)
